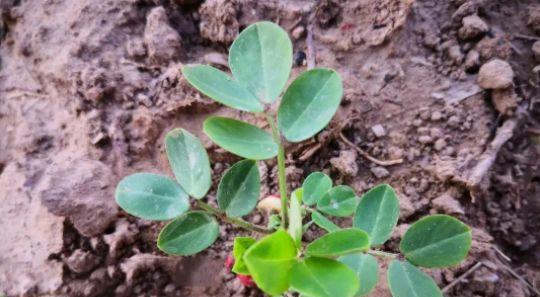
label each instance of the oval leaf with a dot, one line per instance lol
(366, 268)
(341, 242)
(217, 85)
(405, 280)
(315, 186)
(189, 162)
(270, 260)
(436, 241)
(239, 189)
(323, 222)
(340, 201)
(309, 104)
(295, 216)
(320, 277)
(261, 58)
(378, 213)
(151, 196)
(241, 138)
(241, 244)
(188, 234)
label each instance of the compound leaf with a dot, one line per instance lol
(261, 58)
(241, 244)
(340, 201)
(219, 86)
(242, 139)
(151, 196)
(270, 260)
(323, 222)
(321, 277)
(366, 268)
(189, 162)
(405, 280)
(436, 241)
(188, 234)
(295, 216)
(341, 242)
(239, 188)
(315, 186)
(378, 213)
(309, 103)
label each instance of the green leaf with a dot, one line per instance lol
(378, 213)
(241, 244)
(241, 138)
(270, 260)
(151, 196)
(341, 242)
(405, 280)
(239, 189)
(217, 85)
(366, 268)
(189, 162)
(295, 216)
(315, 186)
(340, 201)
(188, 234)
(309, 103)
(321, 277)
(436, 241)
(323, 222)
(261, 58)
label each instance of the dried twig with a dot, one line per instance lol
(368, 156)
(486, 160)
(310, 47)
(521, 279)
(462, 277)
(528, 37)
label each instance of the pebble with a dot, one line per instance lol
(440, 144)
(495, 74)
(378, 130)
(436, 116)
(379, 171)
(473, 27)
(298, 32)
(472, 60)
(536, 50)
(436, 133)
(425, 139)
(455, 54)
(417, 122)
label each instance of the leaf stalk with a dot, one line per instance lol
(235, 221)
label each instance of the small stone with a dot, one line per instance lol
(473, 27)
(436, 116)
(298, 32)
(378, 130)
(345, 163)
(436, 133)
(379, 171)
(455, 54)
(169, 289)
(440, 144)
(472, 60)
(536, 50)
(453, 121)
(417, 122)
(257, 218)
(162, 41)
(447, 204)
(81, 261)
(495, 74)
(534, 18)
(425, 139)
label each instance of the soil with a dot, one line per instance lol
(89, 88)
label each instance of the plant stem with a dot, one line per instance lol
(382, 254)
(235, 221)
(282, 177)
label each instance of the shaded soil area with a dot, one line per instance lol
(89, 88)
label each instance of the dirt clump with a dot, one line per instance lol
(473, 27)
(496, 74)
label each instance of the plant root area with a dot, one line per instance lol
(88, 90)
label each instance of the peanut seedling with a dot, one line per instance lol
(340, 263)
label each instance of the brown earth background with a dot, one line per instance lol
(89, 88)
